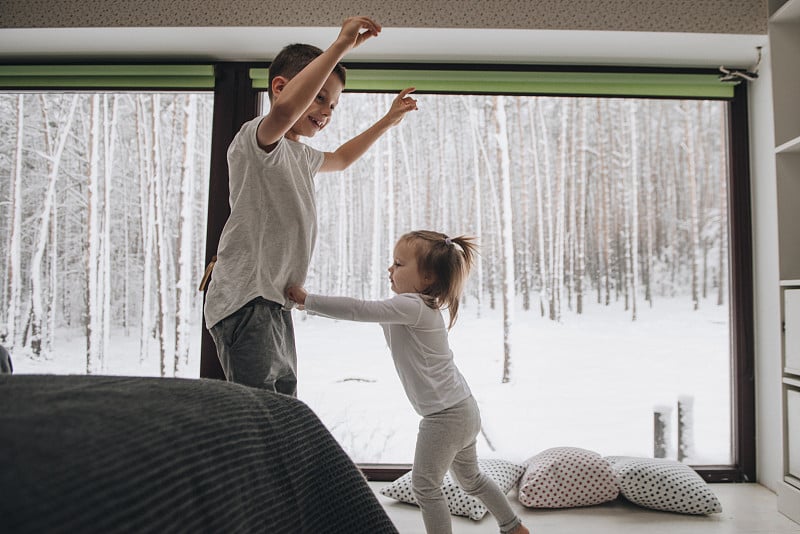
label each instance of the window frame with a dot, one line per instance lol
(236, 101)
(235, 93)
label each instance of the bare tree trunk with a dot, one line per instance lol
(545, 208)
(376, 270)
(691, 182)
(492, 192)
(560, 223)
(390, 189)
(36, 295)
(53, 291)
(507, 238)
(633, 247)
(580, 230)
(604, 230)
(14, 274)
(163, 288)
(478, 208)
(94, 325)
(524, 216)
(538, 190)
(110, 138)
(147, 201)
(184, 287)
(649, 218)
(570, 215)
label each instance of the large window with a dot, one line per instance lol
(104, 200)
(599, 313)
(610, 308)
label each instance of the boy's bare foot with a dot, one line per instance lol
(520, 529)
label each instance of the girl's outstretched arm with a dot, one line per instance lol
(405, 308)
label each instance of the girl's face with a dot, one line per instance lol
(404, 272)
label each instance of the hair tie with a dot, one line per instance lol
(448, 241)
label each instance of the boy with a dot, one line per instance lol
(268, 239)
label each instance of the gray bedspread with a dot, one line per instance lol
(84, 454)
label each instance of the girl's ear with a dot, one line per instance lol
(277, 85)
(429, 279)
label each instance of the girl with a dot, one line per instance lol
(428, 274)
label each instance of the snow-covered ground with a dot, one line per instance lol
(590, 381)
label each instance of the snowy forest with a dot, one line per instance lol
(104, 210)
(104, 197)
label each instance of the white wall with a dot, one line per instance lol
(766, 279)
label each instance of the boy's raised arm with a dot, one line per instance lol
(292, 97)
(353, 149)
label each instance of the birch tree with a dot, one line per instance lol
(185, 285)
(693, 219)
(144, 142)
(580, 230)
(507, 240)
(94, 349)
(163, 286)
(633, 270)
(14, 274)
(43, 232)
(722, 199)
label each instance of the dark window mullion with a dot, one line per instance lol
(235, 102)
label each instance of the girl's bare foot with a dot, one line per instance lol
(520, 529)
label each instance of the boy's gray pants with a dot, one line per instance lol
(446, 440)
(256, 348)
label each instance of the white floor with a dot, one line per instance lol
(746, 509)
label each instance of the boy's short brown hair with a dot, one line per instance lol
(292, 59)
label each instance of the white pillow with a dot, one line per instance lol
(564, 477)
(663, 485)
(504, 473)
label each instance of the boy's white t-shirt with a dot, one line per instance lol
(268, 239)
(417, 338)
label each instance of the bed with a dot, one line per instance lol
(124, 454)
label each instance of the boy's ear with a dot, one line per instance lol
(277, 85)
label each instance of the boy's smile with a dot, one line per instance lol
(319, 113)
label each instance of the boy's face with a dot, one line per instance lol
(320, 112)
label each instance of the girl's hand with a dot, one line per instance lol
(297, 294)
(401, 105)
(356, 30)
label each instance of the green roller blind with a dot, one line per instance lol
(107, 76)
(661, 84)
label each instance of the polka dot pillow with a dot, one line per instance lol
(504, 473)
(565, 477)
(663, 485)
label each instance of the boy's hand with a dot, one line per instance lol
(297, 294)
(401, 105)
(356, 30)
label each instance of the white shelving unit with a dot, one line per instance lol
(784, 39)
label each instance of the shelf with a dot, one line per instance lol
(784, 42)
(788, 12)
(789, 498)
(789, 147)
